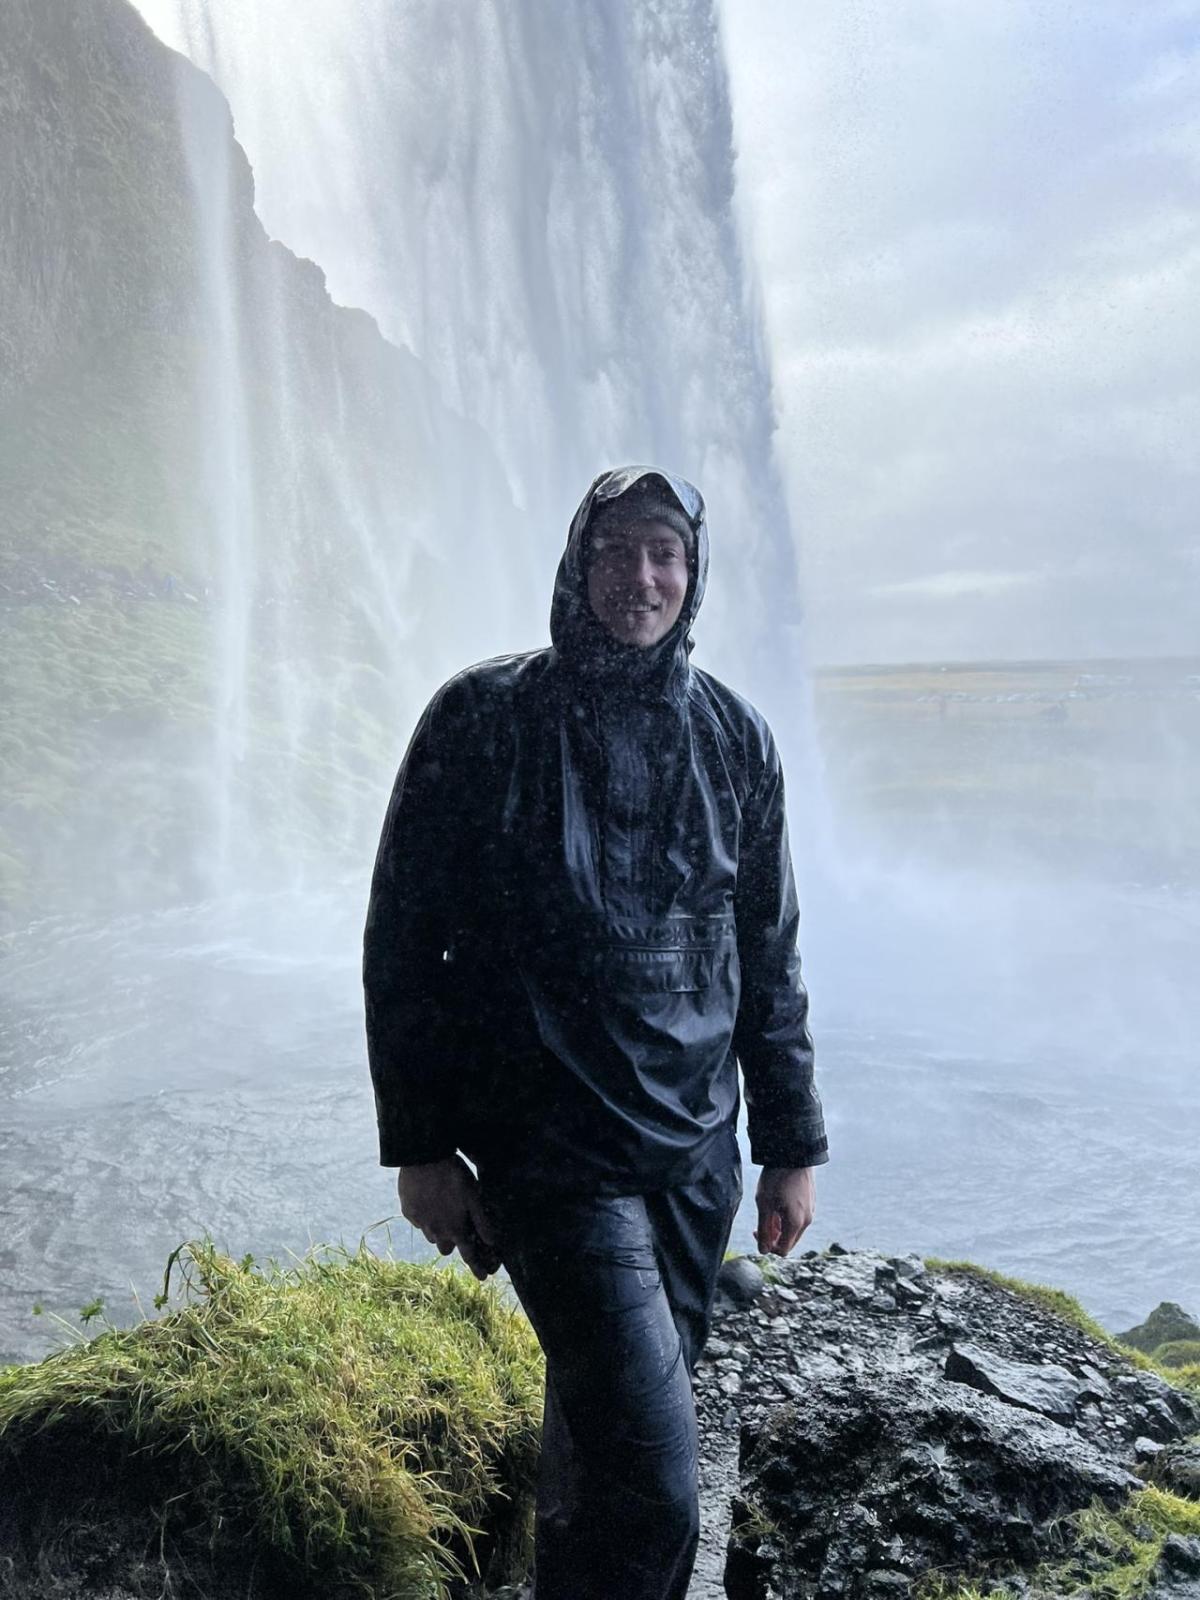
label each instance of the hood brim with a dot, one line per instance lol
(574, 628)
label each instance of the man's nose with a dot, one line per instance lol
(639, 568)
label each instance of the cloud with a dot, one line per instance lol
(941, 586)
(977, 230)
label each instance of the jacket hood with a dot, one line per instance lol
(581, 641)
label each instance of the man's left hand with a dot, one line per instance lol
(786, 1199)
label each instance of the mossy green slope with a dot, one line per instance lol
(1179, 1355)
(352, 1423)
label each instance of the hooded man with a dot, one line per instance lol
(582, 919)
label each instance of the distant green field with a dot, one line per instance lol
(1090, 767)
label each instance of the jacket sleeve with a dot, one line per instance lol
(771, 1037)
(411, 1032)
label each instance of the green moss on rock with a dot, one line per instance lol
(1110, 1555)
(1166, 1324)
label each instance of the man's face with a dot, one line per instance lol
(637, 580)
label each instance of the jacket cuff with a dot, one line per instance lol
(396, 1151)
(768, 1151)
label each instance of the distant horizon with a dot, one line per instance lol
(993, 663)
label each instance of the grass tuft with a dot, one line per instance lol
(361, 1423)
(1178, 1353)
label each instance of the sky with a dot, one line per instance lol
(975, 228)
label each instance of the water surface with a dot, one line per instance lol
(203, 1070)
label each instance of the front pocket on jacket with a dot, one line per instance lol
(655, 971)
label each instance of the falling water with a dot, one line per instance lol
(536, 200)
(227, 510)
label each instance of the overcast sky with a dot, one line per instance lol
(976, 227)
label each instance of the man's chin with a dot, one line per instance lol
(637, 634)
(637, 641)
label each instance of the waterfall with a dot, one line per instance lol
(537, 202)
(225, 458)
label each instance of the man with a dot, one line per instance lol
(582, 918)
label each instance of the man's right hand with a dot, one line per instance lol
(443, 1200)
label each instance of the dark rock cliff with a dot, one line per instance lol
(226, 504)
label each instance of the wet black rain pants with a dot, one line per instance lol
(619, 1291)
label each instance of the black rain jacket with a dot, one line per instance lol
(583, 914)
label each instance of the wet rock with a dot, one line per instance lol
(741, 1280)
(908, 1292)
(881, 1583)
(1052, 1390)
(1180, 1557)
(1177, 1467)
(889, 1473)
(929, 1342)
(1158, 1419)
(950, 1324)
(851, 1277)
(1176, 1574)
(1096, 1385)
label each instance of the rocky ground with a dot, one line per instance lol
(868, 1423)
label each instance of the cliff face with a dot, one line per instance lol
(226, 504)
(95, 236)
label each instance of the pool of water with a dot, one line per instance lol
(203, 1071)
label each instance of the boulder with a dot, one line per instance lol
(1176, 1574)
(1044, 1387)
(865, 1483)
(740, 1280)
(1177, 1467)
(1165, 1324)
